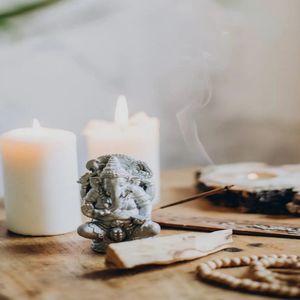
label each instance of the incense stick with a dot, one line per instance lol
(204, 194)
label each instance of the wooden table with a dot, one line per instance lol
(64, 267)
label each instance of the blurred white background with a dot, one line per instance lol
(67, 63)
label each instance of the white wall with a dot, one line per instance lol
(68, 64)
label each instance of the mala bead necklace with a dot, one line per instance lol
(261, 272)
(267, 281)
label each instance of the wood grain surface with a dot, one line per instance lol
(201, 214)
(64, 267)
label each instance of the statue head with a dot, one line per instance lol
(116, 174)
(115, 178)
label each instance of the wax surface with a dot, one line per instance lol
(40, 174)
(139, 140)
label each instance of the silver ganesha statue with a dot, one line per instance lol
(117, 194)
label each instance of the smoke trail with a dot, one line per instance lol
(187, 119)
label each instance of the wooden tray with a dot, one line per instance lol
(204, 216)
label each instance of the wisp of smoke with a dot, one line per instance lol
(187, 118)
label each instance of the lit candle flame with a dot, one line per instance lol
(121, 112)
(36, 124)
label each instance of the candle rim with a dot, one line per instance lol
(115, 132)
(31, 135)
(135, 121)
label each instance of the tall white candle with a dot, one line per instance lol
(41, 195)
(137, 137)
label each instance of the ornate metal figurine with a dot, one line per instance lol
(117, 194)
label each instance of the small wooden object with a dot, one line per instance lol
(258, 188)
(168, 249)
(249, 227)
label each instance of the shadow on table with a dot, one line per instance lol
(107, 274)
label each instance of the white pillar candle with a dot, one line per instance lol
(137, 137)
(41, 195)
